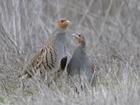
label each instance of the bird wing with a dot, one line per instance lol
(46, 57)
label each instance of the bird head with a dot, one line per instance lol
(80, 38)
(63, 23)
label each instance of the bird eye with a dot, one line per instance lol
(79, 35)
(62, 21)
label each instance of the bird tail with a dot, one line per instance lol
(21, 73)
(25, 72)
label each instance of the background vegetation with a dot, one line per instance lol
(112, 32)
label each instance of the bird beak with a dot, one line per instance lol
(75, 35)
(68, 21)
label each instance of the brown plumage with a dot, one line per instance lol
(52, 56)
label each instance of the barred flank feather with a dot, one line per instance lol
(48, 58)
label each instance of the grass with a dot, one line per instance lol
(111, 29)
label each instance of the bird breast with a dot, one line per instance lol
(61, 45)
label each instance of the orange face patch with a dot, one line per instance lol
(79, 37)
(63, 23)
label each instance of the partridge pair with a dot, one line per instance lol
(51, 58)
(80, 64)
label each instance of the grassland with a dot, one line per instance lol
(112, 32)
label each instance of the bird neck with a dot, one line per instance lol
(83, 45)
(59, 36)
(62, 27)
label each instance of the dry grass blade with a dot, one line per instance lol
(112, 38)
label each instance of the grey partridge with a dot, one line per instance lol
(80, 64)
(51, 58)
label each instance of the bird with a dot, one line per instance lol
(80, 65)
(51, 59)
